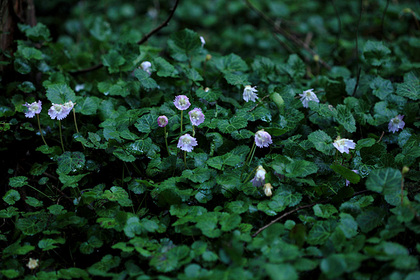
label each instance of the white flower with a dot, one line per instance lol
(259, 177)
(146, 65)
(267, 189)
(250, 93)
(396, 123)
(33, 263)
(203, 42)
(343, 145)
(308, 95)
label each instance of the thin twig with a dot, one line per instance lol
(143, 40)
(300, 208)
(289, 36)
(286, 214)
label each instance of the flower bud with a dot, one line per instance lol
(405, 170)
(276, 98)
(208, 57)
(267, 189)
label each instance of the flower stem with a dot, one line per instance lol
(182, 115)
(40, 192)
(40, 131)
(251, 154)
(250, 174)
(166, 141)
(185, 159)
(193, 131)
(61, 136)
(75, 123)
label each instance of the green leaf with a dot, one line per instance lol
(227, 159)
(60, 93)
(320, 232)
(376, 53)
(184, 44)
(230, 63)
(164, 68)
(70, 162)
(119, 195)
(193, 75)
(386, 181)
(113, 60)
(322, 142)
(411, 87)
(145, 79)
(370, 219)
(235, 123)
(207, 223)
(345, 118)
(381, 88)
(141, 147)
(348, 225)
(11, 197)
(73, 273)
(18, 181)
(10, 273)
(123, 155)
(32, 201)
(100, 29)
(29, 53)
(70, 181)
(230, 221)
(147, 123)
(88, 105)
(198, 175)
(282, 271)
(347, 174)
(300, 168)
(367, 142)
(236, 79)
(324, 211)
(295, 67)
(132, 227)
(210, 95)
(49, 243)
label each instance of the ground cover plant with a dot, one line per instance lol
(211, 140)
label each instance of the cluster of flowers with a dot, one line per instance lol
(186, 142)
(59, 111)
(259, 181)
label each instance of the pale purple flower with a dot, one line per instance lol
(308, 95)
(59, 111)
(347, 181)
(250, 93)
(396, 123)
(343, 145)
(182, 102)
(33, 108)
(146, 65)
(196, 116)
(68, 106)
(203, 42)
(259, 177)
(268, 189)
(263, 139)
(187, 142)
(162, 121)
